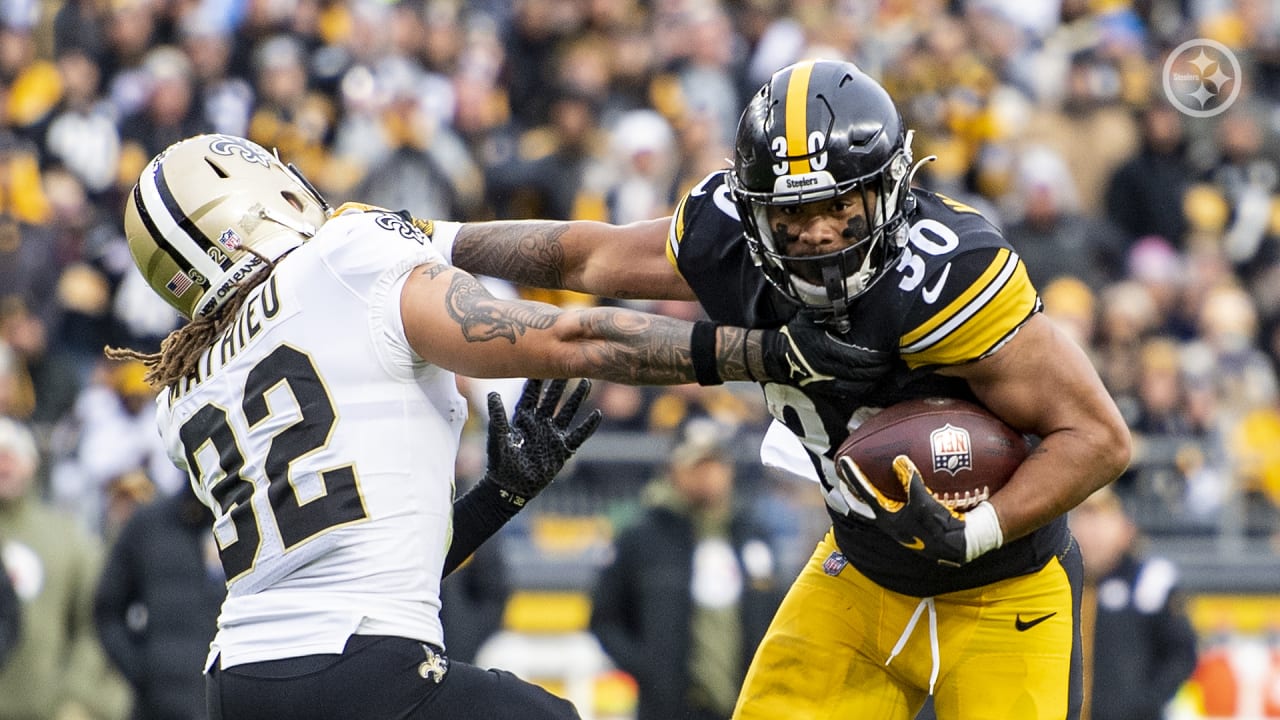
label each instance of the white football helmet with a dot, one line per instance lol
(201, 203)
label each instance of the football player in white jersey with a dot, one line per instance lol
(311, 398)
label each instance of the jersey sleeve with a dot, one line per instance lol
(372, 257)
(985, 297)
(361, 248)
(704, 218)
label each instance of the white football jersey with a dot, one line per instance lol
(325, 447)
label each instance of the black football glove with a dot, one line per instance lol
(526, 454)
(804, 352)
(921, 523)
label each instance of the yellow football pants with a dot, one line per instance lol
(844, 648)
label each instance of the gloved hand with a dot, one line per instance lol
(922, 523)
(804, 351)
(526, 454)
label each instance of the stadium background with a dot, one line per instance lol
(1152, 235)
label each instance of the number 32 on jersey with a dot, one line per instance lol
(209, 434)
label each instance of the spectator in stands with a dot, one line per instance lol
(1126, 315)
(691, 589)
(45, 372)
(1053, 236)
(1247, 179)
(169, 111)
(1139, 646)
(82, 133)
(547, 180)
(1144, 196)
(156, 605)
(116, 419)
(57, 669)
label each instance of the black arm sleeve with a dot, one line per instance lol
(477, 515)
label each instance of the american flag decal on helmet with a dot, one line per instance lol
(951, 449)
(178, 284)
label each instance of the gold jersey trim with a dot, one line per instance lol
(976, 321)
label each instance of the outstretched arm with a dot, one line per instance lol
(620, 261)
(450, 320)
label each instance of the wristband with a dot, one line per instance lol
(982, 531)
(702, 351)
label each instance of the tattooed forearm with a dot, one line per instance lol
(526, 252)
(484, 317)
(635, 348)
(642, 349)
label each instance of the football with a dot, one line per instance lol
(964, 453)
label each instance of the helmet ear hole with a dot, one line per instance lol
(217, 169)
(293, 199)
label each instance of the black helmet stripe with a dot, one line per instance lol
(164, 223)
(162, 242)
(186, 224)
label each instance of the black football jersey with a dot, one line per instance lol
(956, 295)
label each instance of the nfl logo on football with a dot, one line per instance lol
(951, 449)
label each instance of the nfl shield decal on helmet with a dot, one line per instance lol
(834, 563)
(230, 240)
(951, 449)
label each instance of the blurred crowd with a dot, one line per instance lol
(1153, 236)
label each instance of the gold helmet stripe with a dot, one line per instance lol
(798, 117)
(169, 231)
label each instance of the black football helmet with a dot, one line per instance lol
(817, 130)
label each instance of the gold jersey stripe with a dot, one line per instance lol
(999, 264)
(675, 235)
(797, 117)
(974, 328)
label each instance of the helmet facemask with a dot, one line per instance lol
(829, 282)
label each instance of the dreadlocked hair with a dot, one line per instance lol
(181, 350)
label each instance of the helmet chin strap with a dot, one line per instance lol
(834, 282)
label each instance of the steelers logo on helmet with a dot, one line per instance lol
(211, 209)
(822, 130)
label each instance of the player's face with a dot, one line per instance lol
(820, 228)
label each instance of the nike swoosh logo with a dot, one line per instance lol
(931, 294)
(1025, 625)
(915, 544)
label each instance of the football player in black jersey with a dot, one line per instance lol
(818, 217)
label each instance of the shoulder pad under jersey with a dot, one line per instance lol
(960, 291)
(706, 245)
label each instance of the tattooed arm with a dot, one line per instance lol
(622, 261)
(452, 321)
